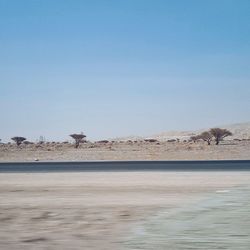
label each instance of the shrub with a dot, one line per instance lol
(219, 134)
(79, 138)
(18, 140)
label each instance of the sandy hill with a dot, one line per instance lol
(239, 130)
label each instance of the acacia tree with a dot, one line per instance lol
(219, 134)
(78, 139)
(18, 140)
(206, 136)
(195, 138)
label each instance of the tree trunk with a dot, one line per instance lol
(77, 144)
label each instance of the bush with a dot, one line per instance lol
(219, 134)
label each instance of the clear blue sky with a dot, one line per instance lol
(115, 68)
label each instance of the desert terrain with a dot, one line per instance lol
(127, 150)
(171, 145)
(99, 210)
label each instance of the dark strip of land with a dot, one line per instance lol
(221, 165)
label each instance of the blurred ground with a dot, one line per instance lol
(95, 210)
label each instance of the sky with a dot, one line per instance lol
(112, 68)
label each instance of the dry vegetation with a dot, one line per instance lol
(212, 144)
(126, 150)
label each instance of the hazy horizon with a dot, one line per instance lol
(119, 68)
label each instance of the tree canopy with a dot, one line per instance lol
(18, 140)
(206, 136)
(79, 138)
(219, 134)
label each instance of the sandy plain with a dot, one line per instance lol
(128, 150)
(95, 210)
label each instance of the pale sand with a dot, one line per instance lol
(95, 210)
(227, 150)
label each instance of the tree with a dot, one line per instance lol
(18, 140)
(206, 136)
(78, 139)
(219, 134)
(194, 138)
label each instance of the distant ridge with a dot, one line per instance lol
(239, 130)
